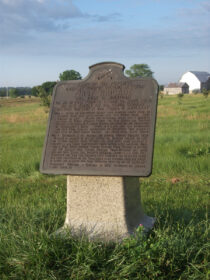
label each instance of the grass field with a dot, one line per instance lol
(32, 205)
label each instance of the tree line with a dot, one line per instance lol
(15, 91)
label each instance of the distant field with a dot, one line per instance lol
(32, 205)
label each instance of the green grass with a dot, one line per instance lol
(32, 205)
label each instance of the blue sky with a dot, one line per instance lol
(41, 38)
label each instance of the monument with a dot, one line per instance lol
(101, 135)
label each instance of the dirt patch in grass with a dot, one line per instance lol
(18, 101)
(164, 111)
(28, 117)
(197, 117)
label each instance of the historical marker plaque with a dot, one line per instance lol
(102, 125)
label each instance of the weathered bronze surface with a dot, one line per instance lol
(102, 125)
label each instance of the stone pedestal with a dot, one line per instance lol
(104, 208)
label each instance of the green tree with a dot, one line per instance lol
(205, 92)
(3, 92)
(45, 92)
(70, 75)
(13, 92)
(34, 91)
(161, 87)
(45, 97)
(139, 70)
(48, 87)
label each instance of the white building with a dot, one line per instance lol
(197, 80)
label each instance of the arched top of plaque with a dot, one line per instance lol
(105, 71)
(108, 63)
(101, 125)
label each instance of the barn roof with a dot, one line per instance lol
(202, 76)
(176, 85)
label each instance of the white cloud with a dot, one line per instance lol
(35, 15)
(46, 27)
(22, 19)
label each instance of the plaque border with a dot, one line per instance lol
(93, 68)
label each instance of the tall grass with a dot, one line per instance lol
(32, 205)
